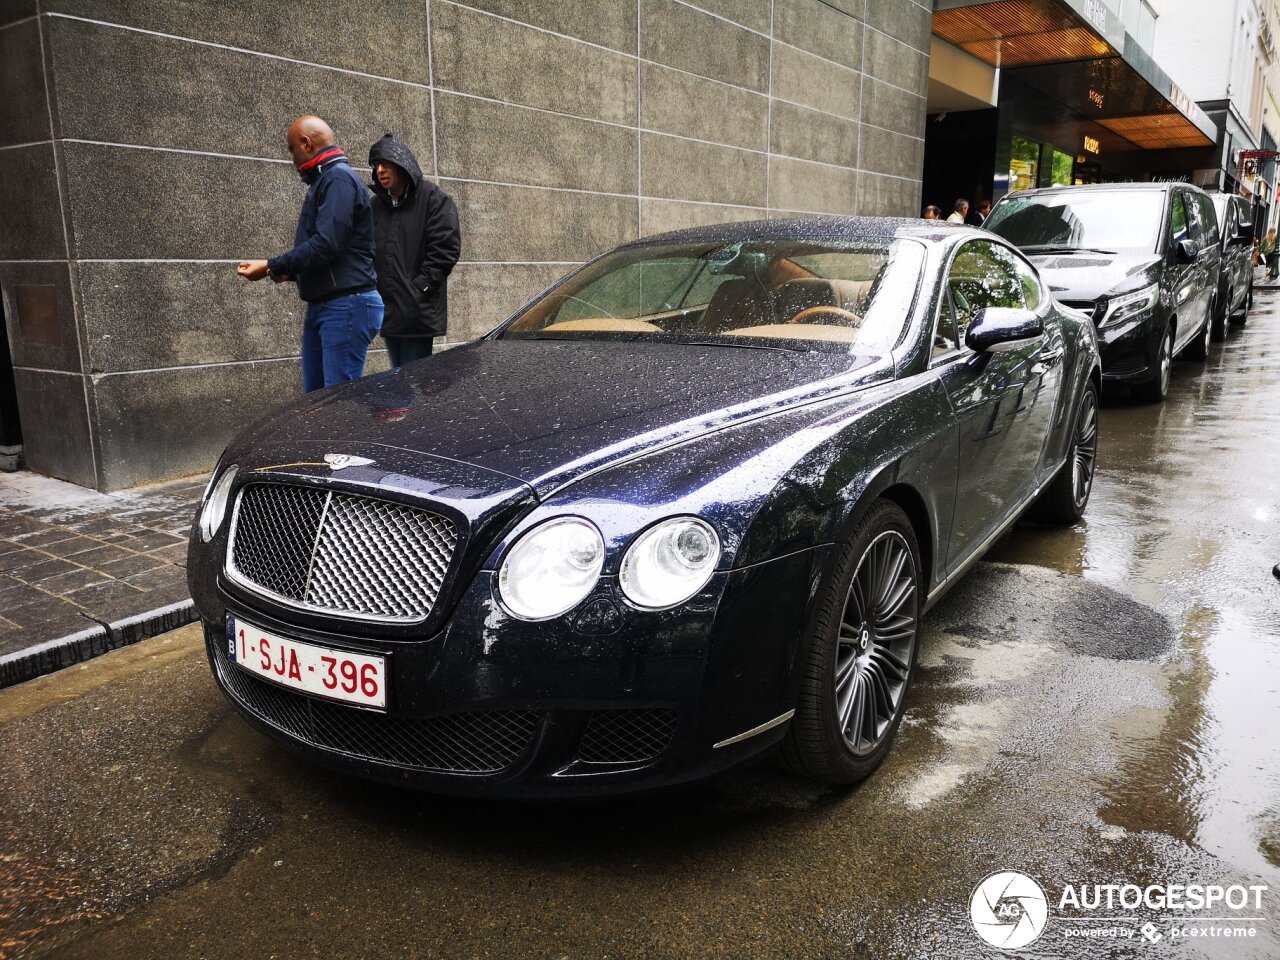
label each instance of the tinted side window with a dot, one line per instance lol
(1179, 227)
(1208, 219)
(1195, 229)
(982, 275)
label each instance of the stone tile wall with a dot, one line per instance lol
(142, 153)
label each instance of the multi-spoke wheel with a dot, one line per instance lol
(876, 643)
(861, 652)
(1064, 500)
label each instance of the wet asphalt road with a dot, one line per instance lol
(1098, 705)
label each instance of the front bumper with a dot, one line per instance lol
(607, 700)
(1130, 351)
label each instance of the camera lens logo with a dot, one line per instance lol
(1009, 910)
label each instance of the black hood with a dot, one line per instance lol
(1088, 276)
(391, 149)
(544, 412)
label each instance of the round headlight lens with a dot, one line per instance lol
(551, 568)
(669, 563)
(215, 504)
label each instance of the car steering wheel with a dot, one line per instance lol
(826, 311)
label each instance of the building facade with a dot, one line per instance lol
(1079, 95)
(142, 154)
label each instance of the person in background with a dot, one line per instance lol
(331, 261)
(418, 242)
(959, 211)
(932, 213)
(1270, 256)
(979, 216)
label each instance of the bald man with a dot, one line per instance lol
(331, 261)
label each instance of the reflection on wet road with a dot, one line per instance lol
(1184, 516)
(1098, 706)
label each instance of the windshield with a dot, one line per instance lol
(1106, 220)
(784, 294)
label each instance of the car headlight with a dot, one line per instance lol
(215, 504)
(1121, 308)
(551, 568)
(669, 563)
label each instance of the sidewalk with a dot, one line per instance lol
(83, 572)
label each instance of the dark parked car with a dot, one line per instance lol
(1141, 258)
(1235, 283)
(685, 507)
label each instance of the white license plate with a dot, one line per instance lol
(320, 671)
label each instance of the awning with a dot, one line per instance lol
(1077, 52)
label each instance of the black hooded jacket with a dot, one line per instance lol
(417, 242)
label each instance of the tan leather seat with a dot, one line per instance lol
(798, 331)
(603, 325)
(738, 302)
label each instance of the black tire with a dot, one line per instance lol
(1198, 349)
(1157, 388)
(1219, 326)
(856, 676)
(1064, 500)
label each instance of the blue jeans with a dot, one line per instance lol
(335, 338)
(402, 350)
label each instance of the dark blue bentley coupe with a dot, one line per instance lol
(685, 507)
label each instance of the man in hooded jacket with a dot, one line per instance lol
(417, 242)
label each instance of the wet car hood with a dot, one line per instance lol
(544, 412)
(1088, 276)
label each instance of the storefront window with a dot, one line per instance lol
(1062, 168)
(1024, 164)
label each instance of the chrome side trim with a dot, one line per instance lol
(769, 725)
(981, 548)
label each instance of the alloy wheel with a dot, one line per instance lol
(1086, 449)
(876, 644)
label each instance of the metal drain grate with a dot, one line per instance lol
(469, 742)
(626, 736)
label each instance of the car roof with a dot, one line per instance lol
(1162, 187)
(815, 228)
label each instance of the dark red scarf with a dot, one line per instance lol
(309, 169)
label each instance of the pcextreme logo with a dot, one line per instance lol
(1010, 910)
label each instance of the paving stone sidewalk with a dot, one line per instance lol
(83, 572)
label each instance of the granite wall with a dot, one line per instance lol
(142, 153)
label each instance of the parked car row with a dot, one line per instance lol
(688, 506)
(1160, 268)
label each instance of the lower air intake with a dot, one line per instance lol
(626, 736)
(468, 742)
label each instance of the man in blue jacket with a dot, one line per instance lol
(331, 261)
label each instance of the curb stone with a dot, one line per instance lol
(53, 655)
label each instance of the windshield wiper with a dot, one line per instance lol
(1067, 250)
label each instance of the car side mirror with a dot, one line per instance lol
(1244, 234)
(996, 329)
(1186, 251)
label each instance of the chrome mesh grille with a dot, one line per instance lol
(472, 742)
(626, 736)
(340, 552)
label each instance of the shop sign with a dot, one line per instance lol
(1096, 13)
(1091, 145)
